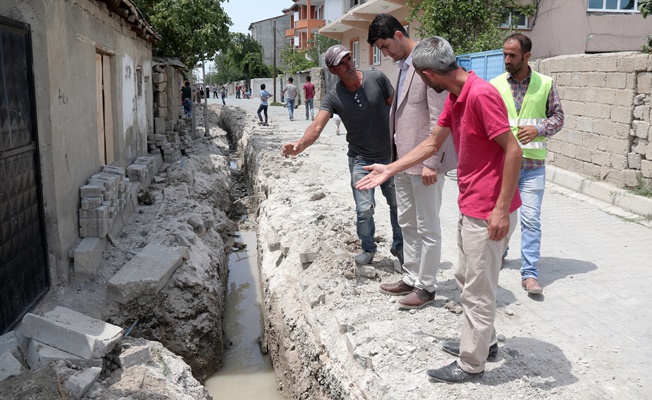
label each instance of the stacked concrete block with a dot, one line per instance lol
(102, 199)
(109, 199)
(606, 101)
(142, 171)
(639, 158)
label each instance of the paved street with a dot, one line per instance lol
(595, 268)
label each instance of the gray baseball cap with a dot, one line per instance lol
(334, 55)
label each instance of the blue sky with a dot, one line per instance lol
(244, 12)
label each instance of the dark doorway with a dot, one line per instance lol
(24, 277)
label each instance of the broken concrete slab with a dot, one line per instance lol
(133, 356)
(9, 343)
(87, 256)
(9, 366)
(41, 355)
(72, 332)
(146, 273)
(77, 381)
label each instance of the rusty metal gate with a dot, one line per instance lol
(24, 274)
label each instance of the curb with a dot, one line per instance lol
(599, 190)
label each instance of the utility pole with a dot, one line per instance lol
(274, 72)
(203, 71)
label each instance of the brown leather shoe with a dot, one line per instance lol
(399, 288)
(531, 285)
(416, 299)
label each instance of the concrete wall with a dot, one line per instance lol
(566, 27)
(606, 100)
(66, 35)
(263, 33)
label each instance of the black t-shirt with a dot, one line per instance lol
(365, 114)
(187, 92)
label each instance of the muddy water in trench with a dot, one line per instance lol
(247, 373)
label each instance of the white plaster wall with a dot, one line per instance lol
(333, 9)
(66, 36)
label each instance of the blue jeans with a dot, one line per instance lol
(262, 108)
(187, 107)
(365, 204)
(309, 103)
(531, 184)
(290, 105)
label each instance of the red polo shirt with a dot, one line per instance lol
(475, 118)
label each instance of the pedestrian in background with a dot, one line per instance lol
(264, 96)
(290, 92)
(186, 99)
(309, 95)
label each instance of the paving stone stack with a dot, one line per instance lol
(142, 171)
(106, 195)
(102, 199)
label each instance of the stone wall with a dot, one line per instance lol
(606, 101)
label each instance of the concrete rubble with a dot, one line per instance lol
(72, 332)
(146, 273)
(132, 270)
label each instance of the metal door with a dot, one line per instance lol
(24, 277)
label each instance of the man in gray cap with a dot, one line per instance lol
(362, 101)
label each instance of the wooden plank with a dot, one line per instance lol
(109, 134)
(100, 108)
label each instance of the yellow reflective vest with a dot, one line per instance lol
(533, 110)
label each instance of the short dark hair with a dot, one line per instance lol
(290, 79)
(384, 26)
(523, 41)
(262, 86)
(308, 78)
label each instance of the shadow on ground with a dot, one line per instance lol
(542, 364)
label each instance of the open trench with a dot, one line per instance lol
(247, 370)
(300, 358)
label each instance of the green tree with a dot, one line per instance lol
(246, 55)
(226, 71)
(301, 60)
(468, 25)
(191, 29)
(296, 60)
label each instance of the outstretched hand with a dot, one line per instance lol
(376, 177)
(291, 149)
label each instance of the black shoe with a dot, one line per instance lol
(398, 254)
(452, 373)
(453, 347)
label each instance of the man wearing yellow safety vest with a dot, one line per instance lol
(535, 114)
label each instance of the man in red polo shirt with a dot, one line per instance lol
(487, 173)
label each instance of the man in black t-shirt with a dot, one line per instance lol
(362, 101)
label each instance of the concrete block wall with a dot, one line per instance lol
(606, 101)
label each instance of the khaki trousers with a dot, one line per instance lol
(418, 215)
(477, 278)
